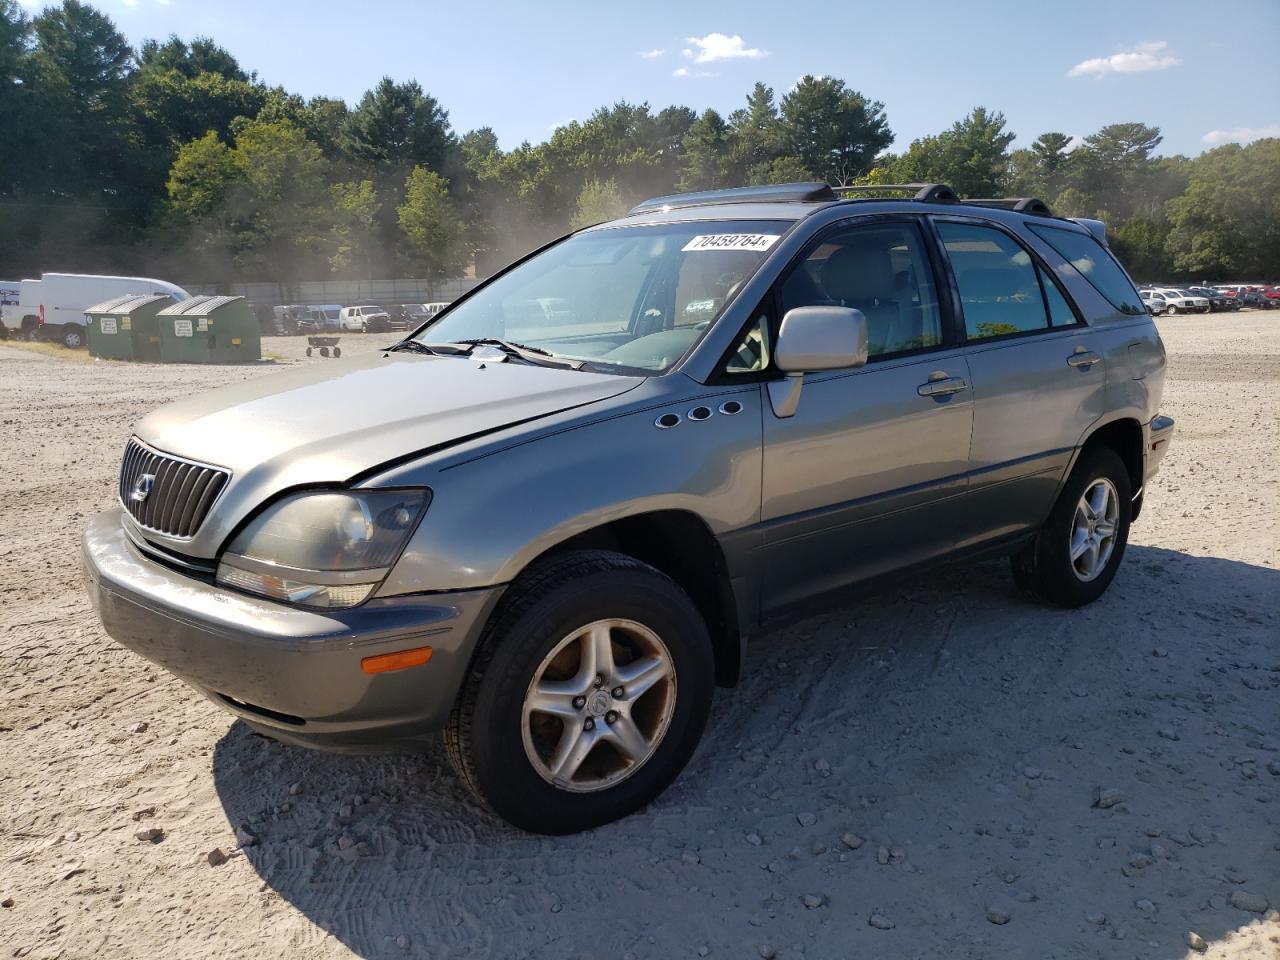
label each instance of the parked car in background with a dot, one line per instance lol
(1156, 304)
(10, 291)
(550, 533)
(325, 316)
(1218, 301)
(360, 318)
(287, 318)
(52, 308)
(416, 314)
(1178, 300)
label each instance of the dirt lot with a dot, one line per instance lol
(911, 776)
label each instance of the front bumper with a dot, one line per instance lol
(1158, 434)
(289, 672)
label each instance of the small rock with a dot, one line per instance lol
(1146, 906)
(703, 950)
(144, 814)
(1031, 773)
(897, 854)
(1159, 652)
(1273, 767)
(1201, 834)
(882, 856)
(998, 915)
(1106, 797)
(814, 900)
(346, 842)
(216, 857)
(244, 838)
(151, 834)
(1243, 900)
(1160, 851)
(1097, 919)
(295, 789)
(402, 942)
(7, 902)
(139, 727)
(767, 952)
(823, 768)
(880, 922)
(806, 819)
(345, 811)
(690, 857)
(1196, 942)
(364, 849)
(754, 839)
(1168, 733)
(557, 907)
(852, 841)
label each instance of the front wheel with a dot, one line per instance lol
(587, 697)
(72, 338)
(1078, 550)
(1172, 311)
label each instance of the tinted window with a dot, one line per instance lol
(1060, 313)
(999, 286)
(883, 271)
(1095, 264)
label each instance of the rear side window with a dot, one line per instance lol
(999, 284)
(1095, 264)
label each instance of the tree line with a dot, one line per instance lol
(173, 159)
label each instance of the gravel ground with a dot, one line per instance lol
(942, 770)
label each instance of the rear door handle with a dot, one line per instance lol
(1083, 358)
(942, 388)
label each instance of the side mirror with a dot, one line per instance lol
(821, 338)
(812, 339)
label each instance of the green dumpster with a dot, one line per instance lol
(126, 328)
(209, 330)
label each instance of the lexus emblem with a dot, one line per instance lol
(142, 489)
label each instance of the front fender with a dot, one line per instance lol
(492, 515)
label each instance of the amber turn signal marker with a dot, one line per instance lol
(399, 660)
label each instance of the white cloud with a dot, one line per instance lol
(1143, 57)
(680, 72)
(717, 46)
(1241, 134)
(686, 72)
(651, 54)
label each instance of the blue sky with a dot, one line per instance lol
(1205, 72)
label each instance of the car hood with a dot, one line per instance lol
(330, 421)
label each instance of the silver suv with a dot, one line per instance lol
(549, 531)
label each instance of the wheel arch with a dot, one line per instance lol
(1124, 435)
(681, 545)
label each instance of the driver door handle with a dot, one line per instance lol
(942, 388)
(1083, 358)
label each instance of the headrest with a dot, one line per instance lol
(859, 272)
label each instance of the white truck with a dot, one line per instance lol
(52, 308)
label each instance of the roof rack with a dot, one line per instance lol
(1032, 205)
(777, 192)
(925, 192)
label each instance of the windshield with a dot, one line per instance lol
(627, 297)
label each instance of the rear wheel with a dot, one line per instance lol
(1075, 556)
(588, 694)
(72, 337)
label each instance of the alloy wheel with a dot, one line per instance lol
(598, 705)
(1094, 528)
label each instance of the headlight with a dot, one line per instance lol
(327, 549)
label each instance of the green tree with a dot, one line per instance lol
(756, 137)
(354, 240)
(15, 48)
(432, 227)
(706, 147)
(397, 127)
(835, 132)
(971, 157)
(597, 201)
(1227, 224)
(202, 55)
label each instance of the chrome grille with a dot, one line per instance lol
(180, 491)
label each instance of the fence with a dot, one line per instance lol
(345, 292)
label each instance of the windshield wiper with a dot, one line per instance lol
(413, 345)
(526, 353)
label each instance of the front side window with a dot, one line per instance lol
(999, 284)
(1092, 261)
(632, 297)
(881, 269)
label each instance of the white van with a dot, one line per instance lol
(52, 308)
(363, 317)
(325, 316)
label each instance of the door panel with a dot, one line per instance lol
(1033, 400)
(866, 477)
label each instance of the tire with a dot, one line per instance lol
(337, 351)
(308, 351)
(505, 753)
(1172, 311)
(1045, 570)
(72, 337)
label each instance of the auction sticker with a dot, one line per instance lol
(731, 241)
(182, 328)
(107, 325)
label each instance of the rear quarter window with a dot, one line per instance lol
(1093, 262)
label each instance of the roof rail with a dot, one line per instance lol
(925, 192)
(776, 192)
(1032, 205)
